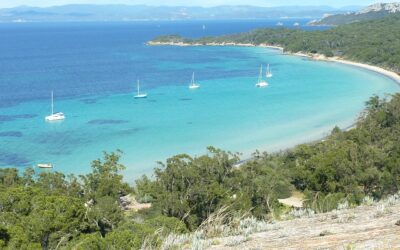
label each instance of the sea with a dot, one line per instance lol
(93, 69)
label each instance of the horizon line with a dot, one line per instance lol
(182, 6)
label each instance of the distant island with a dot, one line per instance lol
(355, 42)
(372, 12)
(121, 13)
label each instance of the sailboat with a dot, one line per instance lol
(140, 95)
(269, 73)
(54, 116)
(45, 165)
(193, 84)
(261, 82)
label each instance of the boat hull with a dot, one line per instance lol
(194, 86)
(55, 117)
(262, 85)
(45, 165)
(140, 96)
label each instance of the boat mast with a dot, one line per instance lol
(260, 77)
(138, 87)
(193, 79)
(52, 103)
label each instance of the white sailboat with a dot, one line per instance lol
(54, 116)
(193, 84)
(268, 74)
(140, 95)
(45, 165)
(261, 82)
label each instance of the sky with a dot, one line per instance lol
(204, 3)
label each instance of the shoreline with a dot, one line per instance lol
(182, 44)
(318, 57)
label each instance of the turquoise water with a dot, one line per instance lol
(304, 101)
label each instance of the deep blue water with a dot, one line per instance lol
(97, 58)
(93, 67)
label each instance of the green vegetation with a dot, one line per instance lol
(49, 210)
(373, 12)
(341, 19)
(52, 211)
(374, 42)
(346, 166)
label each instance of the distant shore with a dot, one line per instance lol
(318, 57)
(391, 74)
(182, 44)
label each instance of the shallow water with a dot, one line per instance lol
(93, 70)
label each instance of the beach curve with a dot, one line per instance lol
(318, 57)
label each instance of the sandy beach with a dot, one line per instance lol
(382, 71)
(319, 57)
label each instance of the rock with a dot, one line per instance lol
(371, 12)
(129, 203)
(388, 7)
(325, 233)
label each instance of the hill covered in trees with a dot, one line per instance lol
(49, 210)
(375, 11)
(374, 42)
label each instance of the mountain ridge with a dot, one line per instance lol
(117, 12)
(374, 11)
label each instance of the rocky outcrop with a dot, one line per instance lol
(388, 7)
(375, 226)
(372, 12)
(129, 203)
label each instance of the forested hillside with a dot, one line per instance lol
(374, 42)
(375, 11)
(54, 211)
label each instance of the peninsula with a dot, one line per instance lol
(372, 12)
(352, 44)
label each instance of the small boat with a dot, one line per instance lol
(204, 27)
(269, 73)
(45, 165)
(193, 84)
(261, 82)
(279, 24)
(140, 95)
(296, 24)
(54, 116)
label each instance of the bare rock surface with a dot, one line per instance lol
(129, 203)
(364, 227)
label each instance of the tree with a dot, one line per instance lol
(105, 179)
